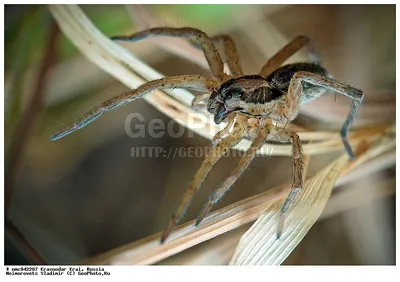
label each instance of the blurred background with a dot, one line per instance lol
(85, 194)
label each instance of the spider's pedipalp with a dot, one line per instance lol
(196, 102)
(250, 154)
(220, 134)
(213, 58)
(211, 159)
(193, 82)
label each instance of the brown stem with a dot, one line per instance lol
(21, 133)
(20, 240)
(28, 117)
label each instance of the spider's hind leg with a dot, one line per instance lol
(296, 95)
(283, 135)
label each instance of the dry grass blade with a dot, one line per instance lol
(149, 250)
(259, 245)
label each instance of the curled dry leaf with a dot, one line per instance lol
(259, 245)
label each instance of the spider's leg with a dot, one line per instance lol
(213, 58)
(231, 53)
(213, 156)
(257, 143)
(295, 92)
(183, 81)
(285, 136)
(287, 51)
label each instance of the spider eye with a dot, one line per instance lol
(228, 95)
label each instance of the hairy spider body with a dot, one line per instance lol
(256, 96)
(250, 104)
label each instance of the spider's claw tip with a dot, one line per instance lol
(163, 238)
(350, 154)
(347, 148)
(55, 137)
(200, 219)
(167, 231)
(280, 226)
(202, 215)
(116, 38)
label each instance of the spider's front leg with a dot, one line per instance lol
(296, 94)
(193, 82)
(218, 150)
(283, 135)
(213, 58)
(231, 53)
(259, 140)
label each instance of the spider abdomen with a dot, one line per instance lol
(280, 78)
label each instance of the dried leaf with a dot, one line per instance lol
(259, 245)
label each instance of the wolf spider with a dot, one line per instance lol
(252, 106)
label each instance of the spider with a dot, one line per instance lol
(251, 105)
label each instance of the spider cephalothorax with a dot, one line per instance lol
(251, 95)
(275, 94)
(254, 95)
